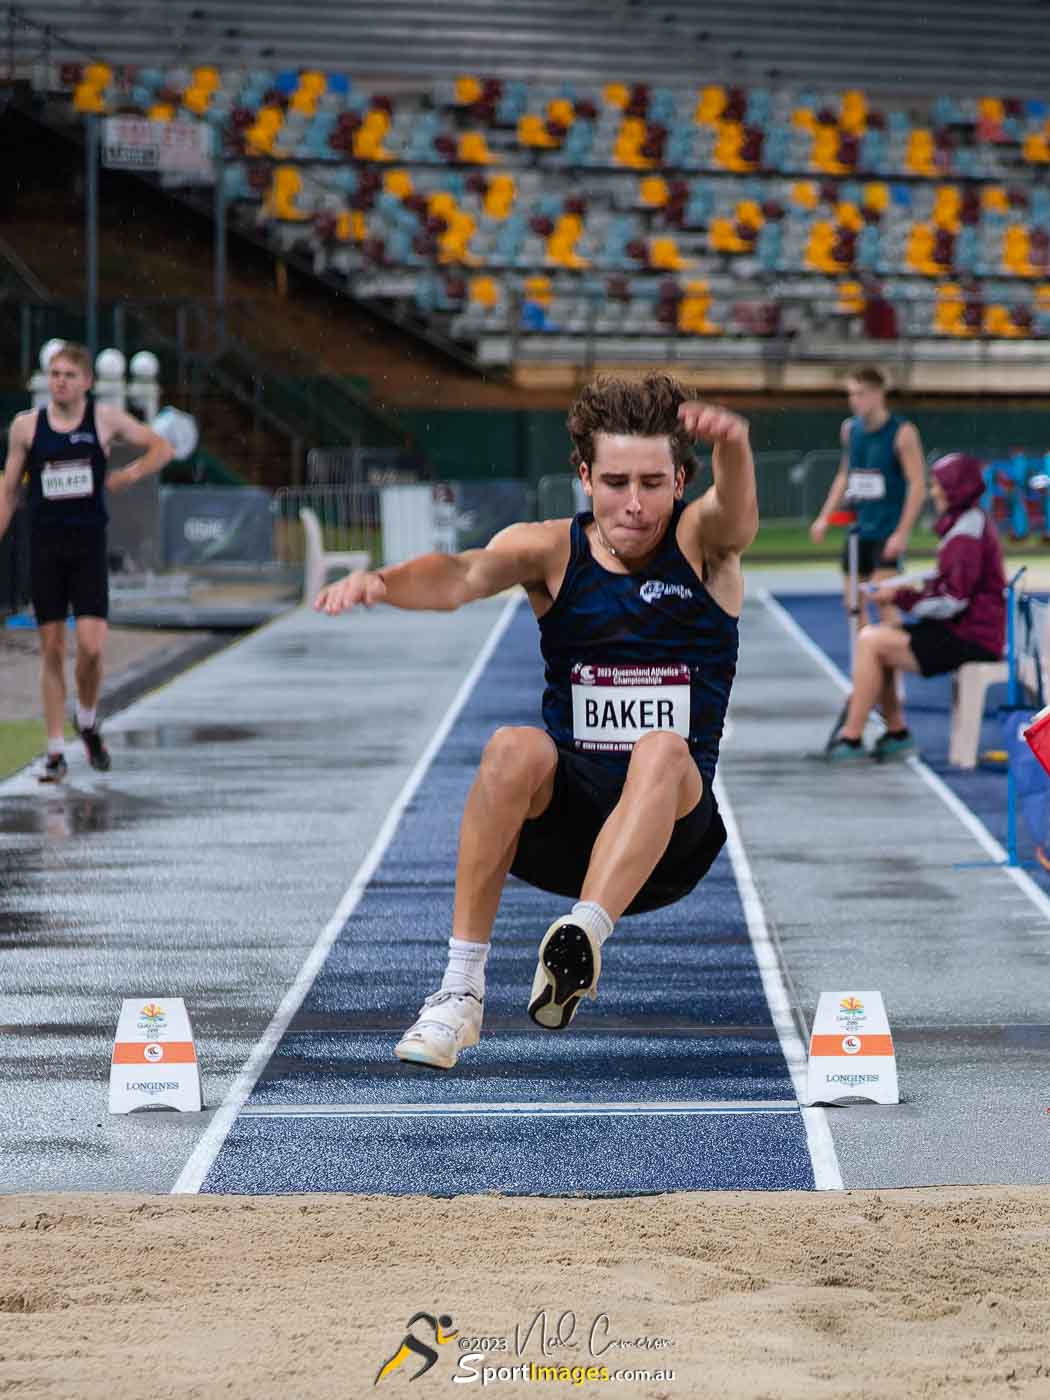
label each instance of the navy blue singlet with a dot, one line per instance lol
(67, 472)
(628, 653)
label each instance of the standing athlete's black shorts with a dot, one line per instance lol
(68, 569)
(870, 557)
(554, 850)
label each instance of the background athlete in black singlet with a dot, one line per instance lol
(63, 449)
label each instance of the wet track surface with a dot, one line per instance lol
(246, 794)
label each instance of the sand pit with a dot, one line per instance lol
(899, 1294)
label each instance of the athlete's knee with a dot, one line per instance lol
(661, 756)
(89, 654)
(52, 653)
(519, 757)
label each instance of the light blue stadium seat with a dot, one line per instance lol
(868, 246)
(768, 246)
(777, 147)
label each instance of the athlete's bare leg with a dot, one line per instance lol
(663, 784)
(91, 645)
(53, 678)
(515, 783)
(880, 649)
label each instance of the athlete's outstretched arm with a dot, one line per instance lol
(14, 467)
(729, 509)
(444, 582)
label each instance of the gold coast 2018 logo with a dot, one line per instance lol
(412, 1346)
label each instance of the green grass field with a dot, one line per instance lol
(783, 543)
(21, 740)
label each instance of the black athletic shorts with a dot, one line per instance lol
(938, 650)
(870, 557)
(554, 850)
(68, 569)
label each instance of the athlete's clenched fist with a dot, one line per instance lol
(711, 423)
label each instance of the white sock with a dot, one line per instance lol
(85, 717)
(593, 918)
(466, 967)
(55, 746)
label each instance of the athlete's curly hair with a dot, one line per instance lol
(645, 409)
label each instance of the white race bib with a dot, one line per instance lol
(613, 706)
(866, 486)
(62, 481)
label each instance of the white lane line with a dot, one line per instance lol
(679, 1107)
(826, 1173)
(196, 1169)
(933, 781)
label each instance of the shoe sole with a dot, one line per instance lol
(572, 972)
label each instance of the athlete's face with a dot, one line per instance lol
(865, 400)
(66, 382)
(633, 486)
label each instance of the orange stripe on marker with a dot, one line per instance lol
(825, 1045)
(176, 1052)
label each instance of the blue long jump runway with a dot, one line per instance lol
(674, 1079)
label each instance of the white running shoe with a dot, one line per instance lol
(569, 965)
(448, 1022)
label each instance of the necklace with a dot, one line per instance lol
(603, 542)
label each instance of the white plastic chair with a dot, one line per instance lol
(319, 560)
(970, 689)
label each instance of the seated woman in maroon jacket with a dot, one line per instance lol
(959, 612)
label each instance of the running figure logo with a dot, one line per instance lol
(439, 1326)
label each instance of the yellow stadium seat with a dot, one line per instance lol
(207, 78)
(285, 188)
(805, 194)
(854, 112)
(304, 102)
(615, 95)
(500, 196)
(441, 204)
(197, 100)
(664, 254)
(1016, 250)
(723, 237)
(919, 157)
(1036, 148)
(877, 196)
(728, 141)
(948, 317)
(849, 216)
(313, 82)
(693, 315)
(398, 183)
(161, 112)
(561, 246)
(998, 322)
(749, 211)
(99, 75)
(710, 105)
(803, 118)
(473, 148)
(653, 191)
(539, 290)
(627, 150)
(88, 98)
(468, 90)
(825, 151)
(561, 110)
(947, 203)
(918, 255)
(851, 299)
(483, 291)
(993, 197)
(532, 131)
(990, 109)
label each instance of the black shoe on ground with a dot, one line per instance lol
(98, 754)
(54, 770)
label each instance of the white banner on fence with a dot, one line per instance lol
(174, 148)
